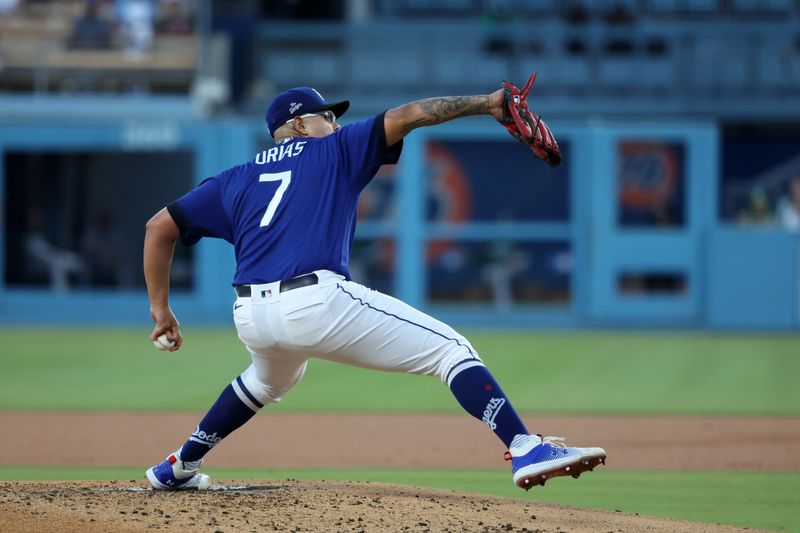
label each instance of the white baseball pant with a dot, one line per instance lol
(340, 321)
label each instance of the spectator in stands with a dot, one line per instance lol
(758, 210)
(92, 30)
(136, 25)
(789, 206)
(175, 17)
(58, 264)
(503, 262)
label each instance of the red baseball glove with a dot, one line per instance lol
(526, 126)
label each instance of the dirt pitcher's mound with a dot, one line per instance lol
(255, 506)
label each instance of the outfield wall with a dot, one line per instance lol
(632, 229)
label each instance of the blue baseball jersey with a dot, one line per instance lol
(292, 209)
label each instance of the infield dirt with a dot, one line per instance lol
(347, 440)
(352, 440)
(313, 506)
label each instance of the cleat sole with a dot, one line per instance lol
(574, 470)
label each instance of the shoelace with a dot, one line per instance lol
(557, 442)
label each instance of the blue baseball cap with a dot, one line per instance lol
(299, 101)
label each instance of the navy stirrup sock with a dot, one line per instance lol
(481, 396)
(226, 415)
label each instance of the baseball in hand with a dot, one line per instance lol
(163, 344)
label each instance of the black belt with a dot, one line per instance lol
(243, 291)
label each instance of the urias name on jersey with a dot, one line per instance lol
(277, 153)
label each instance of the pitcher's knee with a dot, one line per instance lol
(455, 362)
(260, 393)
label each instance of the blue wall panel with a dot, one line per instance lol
(753, 279)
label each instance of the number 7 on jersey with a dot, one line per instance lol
(285, 178)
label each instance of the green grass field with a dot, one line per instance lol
(574, 372)
(50, 369)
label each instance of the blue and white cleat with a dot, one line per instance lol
(535, 459)
(174, 474)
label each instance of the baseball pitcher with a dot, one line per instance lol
(290, 214)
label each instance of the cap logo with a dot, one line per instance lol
(294, 106)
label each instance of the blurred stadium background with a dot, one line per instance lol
(678, 205)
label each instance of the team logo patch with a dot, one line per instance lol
(491, 410)
(204, 438)
(294, 106)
